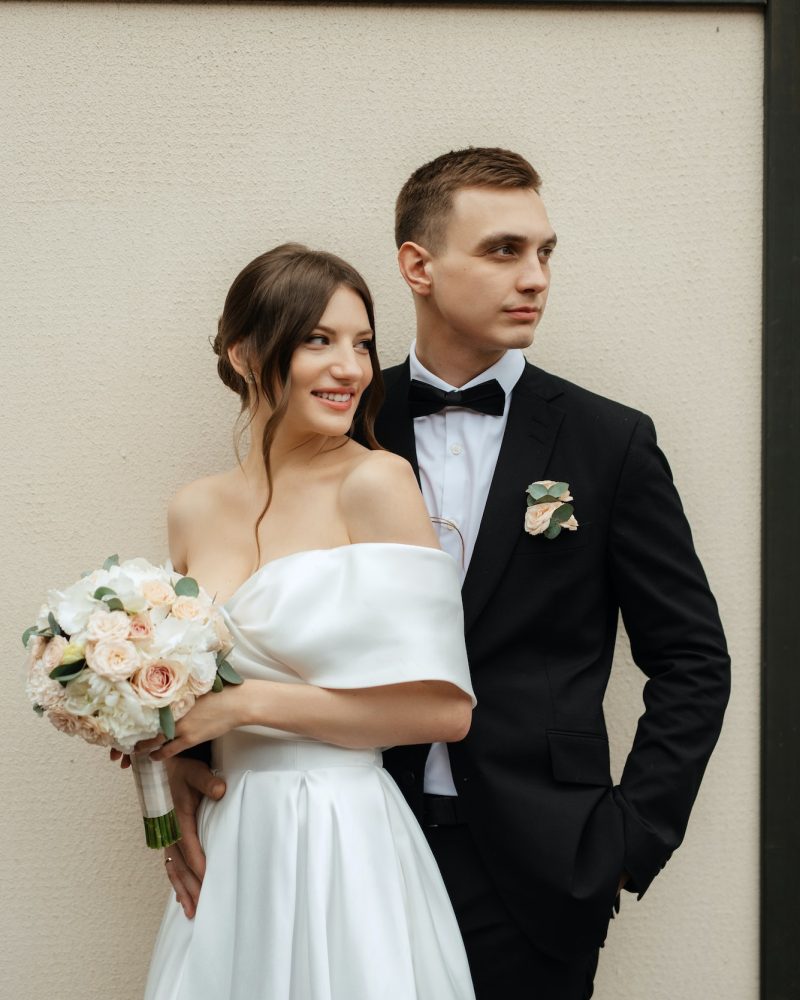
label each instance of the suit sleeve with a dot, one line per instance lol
(676, 638)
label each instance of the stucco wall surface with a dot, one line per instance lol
(150, 151)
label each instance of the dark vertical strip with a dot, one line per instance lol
(780, 804)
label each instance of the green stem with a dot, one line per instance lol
(161, 831)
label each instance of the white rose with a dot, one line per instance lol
(115, 659)
(570, 524)
(202, 671)
(159, 593)
(194, 609)
(107, 625)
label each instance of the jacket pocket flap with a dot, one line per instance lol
(581, 758)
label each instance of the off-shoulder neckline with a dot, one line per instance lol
(349, 546)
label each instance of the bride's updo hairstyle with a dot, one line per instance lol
(273, 305)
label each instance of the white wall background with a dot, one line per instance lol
(149, 151)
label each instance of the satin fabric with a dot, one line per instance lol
(319, 883)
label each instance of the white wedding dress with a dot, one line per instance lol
(320, 884)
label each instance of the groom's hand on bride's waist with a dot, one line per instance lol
(185, 862)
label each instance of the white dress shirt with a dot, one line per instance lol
(457, 451)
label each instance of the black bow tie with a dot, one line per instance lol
(486, 397)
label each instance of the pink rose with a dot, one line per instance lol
(570, 524)
(115, 659)
(158, 683)
(157, 593)
(53, 653)
(64, 721)
(36, 647)
(537, 517)
(107, 625)
(140, 627)
(94, 731)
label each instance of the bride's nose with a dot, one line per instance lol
(345, 366)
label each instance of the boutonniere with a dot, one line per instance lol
(548, 510)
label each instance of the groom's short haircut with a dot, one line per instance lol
(426, 199)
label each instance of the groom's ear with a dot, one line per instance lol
(414, 262)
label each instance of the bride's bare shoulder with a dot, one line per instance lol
(381, 501)
(191, 509)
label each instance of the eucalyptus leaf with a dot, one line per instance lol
(227, 673)
(562, 513)
(56, 628)
(167, 722)
(66, 672)
(553, 531)
(46, 632)
(187, 587)
(217, 685)
(26, 635)
(558, 488)
(111, 561)
(114, 604)
(103, 592)
(537, 491)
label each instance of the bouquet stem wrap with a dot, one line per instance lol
(152, 785)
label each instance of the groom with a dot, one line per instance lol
(533, 841)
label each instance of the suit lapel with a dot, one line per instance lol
(394, 427)
(533, 423)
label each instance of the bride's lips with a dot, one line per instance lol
(340, 405)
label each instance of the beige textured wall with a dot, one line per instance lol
(150, 151)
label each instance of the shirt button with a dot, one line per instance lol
(456, 449)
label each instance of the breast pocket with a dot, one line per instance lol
(579, 758)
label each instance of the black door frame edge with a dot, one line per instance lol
(780, 696)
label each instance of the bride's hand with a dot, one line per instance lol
(185, 862)
(212, 715)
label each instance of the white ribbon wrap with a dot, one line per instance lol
(152, 786)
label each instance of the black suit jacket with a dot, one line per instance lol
(541, 621)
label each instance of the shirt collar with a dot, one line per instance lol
(508, 371)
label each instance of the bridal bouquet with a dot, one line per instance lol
(118, 657)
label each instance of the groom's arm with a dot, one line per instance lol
(677, 640)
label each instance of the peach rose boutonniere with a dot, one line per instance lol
(549, 511)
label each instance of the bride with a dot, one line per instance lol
(347, 627)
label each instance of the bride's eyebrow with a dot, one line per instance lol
(333, 333)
